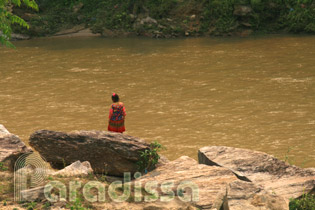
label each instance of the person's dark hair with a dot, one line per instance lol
(115, 97)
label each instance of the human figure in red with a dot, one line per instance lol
(117, 114)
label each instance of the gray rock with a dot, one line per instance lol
(11, 147)
(242, 10)
(108, 152)
(218, 187)
(33, 194)
(132, 16)
(75, 169)
(3, 130)
(246, 195)
(15, 37)
(276, 176)
(211, 181)
(148, 20)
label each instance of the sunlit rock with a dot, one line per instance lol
(276, 176)
(11, 147)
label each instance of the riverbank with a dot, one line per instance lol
(223, 178)
(169, 19)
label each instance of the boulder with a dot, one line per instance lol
(33, 194)
(11, 147)
(218, 187)
(242, 10)
(76, 31)
(143, 206)
(15, 37)
(211, 181)
(148, 20)
(108, 152)
(75, 169)
(276, 176)
(246, 195)
(3, 130)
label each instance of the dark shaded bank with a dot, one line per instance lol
(170, 18)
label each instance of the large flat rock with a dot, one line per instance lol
(11, 147)
(276, 176)
(218, 187)
(108, 152)
(246, 195)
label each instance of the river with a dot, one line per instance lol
(256, 93)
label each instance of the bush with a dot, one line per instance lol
(218, 14)
(306, 202)
(150, 157)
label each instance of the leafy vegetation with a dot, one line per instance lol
(30, 206)
(173, 17)
(219, 15)
(3, 167)
(306, 202)
(266, 15)
(150, 157)
(7, 18)
(77, 205)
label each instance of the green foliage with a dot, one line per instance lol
(77, 205)
(270, 15)
(30, 205)
(218, 14)
(159, 8)
(215, 16)
(149, 157)
(3, 167)
(306, 202)
(46, 205)
(7, 18)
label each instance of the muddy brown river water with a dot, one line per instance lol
(256, 93)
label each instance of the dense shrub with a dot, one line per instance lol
(213, 15)
(307, 202)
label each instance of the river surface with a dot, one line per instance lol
(256, 93)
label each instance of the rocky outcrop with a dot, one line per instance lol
(15, 37)
(173, 205)
(11, 147)
(3, 130)
(75, 169)
(218, 187)
(33, 194)
(108, 152)
(275, 176)
(211, 181)
(76, 31)
(246, 195)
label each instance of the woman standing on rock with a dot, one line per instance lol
(117, 115)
